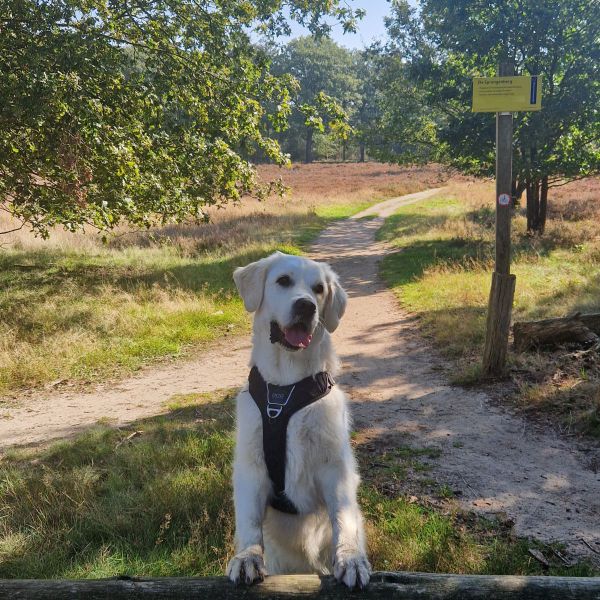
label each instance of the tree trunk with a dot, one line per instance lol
(361, 152)
(529, 196)
(309, 142)
(537, 204)
(517, 188)
(344, 151)
(533, 187)
(543, 205)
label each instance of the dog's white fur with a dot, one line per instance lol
(321, 475)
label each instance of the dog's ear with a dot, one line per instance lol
(335, 302)
(250, 282)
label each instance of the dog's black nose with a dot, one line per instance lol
(304, 308)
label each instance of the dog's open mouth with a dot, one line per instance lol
(294, 337)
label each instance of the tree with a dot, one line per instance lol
(140, 110)
(367, 113)
(450, 42)
(400, 126)
(328, 88)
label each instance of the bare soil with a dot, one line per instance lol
(501, 463)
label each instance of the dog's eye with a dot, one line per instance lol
(284, 281)
(318, 289)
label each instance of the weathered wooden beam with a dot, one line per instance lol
(401, 586)
(577, 328)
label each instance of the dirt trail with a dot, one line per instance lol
(499, 461)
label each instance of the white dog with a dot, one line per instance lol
(295, 486)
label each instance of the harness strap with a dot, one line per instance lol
(277, 404)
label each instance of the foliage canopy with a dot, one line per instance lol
(435, 54)
(138, 110)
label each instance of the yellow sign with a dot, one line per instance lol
(507, 94)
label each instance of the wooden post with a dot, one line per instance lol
(383, 586)
(500, 303)
(503, 283)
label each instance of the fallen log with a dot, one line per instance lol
(400, 586)
(578, 328)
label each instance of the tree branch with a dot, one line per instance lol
(13, 230)
(570, 180)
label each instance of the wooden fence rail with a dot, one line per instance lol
(402, 586)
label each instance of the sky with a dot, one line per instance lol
(370, 27)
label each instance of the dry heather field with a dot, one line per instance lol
(74, 309)
(315, 190)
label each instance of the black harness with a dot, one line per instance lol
(277, 404)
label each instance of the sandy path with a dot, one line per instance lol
(498, 461)
(58, 414)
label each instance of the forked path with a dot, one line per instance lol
(501, 464)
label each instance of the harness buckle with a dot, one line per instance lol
(274, 411)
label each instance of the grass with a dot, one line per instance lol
(69, 315)
(87, 315)
(74, 309)
(157, 503)
(442, 272)
(154, 499)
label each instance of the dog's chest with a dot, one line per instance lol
(314, 437)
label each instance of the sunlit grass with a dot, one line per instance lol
(406, 536)
(155, 499)
(84, 316)
(443, 269)
(86, 313)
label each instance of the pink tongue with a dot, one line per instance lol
(295, 336)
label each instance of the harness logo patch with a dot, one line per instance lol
(277, 399)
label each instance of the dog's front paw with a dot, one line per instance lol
(352, 569)
(247, 567)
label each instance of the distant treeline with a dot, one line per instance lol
(408, 100)
(349, 78)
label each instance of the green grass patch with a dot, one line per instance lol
(89, 313)
(407, 536)
(432, 252)
(442, 272)
(343, 211)
(86, 316)
(155, 499)
(152, 499)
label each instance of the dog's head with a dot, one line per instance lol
(292, 296)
